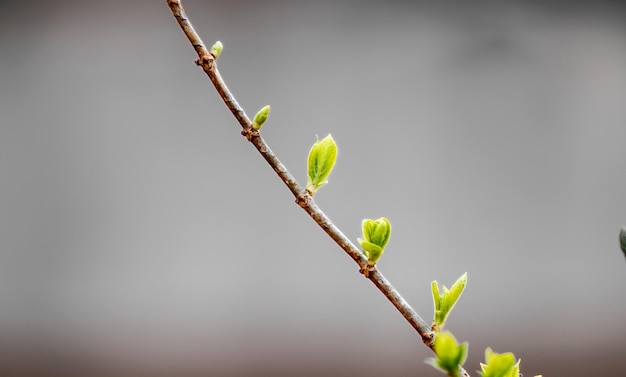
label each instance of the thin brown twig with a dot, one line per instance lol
(207, 61)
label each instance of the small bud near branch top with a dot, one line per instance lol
(261, 117)
(216, 49)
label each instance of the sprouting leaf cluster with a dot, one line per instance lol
(376, 235)
(444, 302)
(499, 365)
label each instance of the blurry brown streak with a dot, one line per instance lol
(207, 61)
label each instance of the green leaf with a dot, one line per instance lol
(376, 234)
(261, 117)
(372, 252)
(444, 303)
(322, 158)
(499, 365)
(450, 354)
(437, 300)
(216, 49)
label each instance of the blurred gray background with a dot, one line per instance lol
(140, 234)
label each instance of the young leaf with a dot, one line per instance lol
(261, 117)
(376, 235)
(450, 354)
(499, 365)
(445, 302)
(322, 158)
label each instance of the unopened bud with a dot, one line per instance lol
(216, 49)
(261, 117)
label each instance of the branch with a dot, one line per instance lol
(207, 61)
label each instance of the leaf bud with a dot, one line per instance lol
(216, 49)
(261, 117)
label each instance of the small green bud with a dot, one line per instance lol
(622, 239)
(444, 303)
(261, 117)
(499, 365)
(376, 234)
(216, 49)
(450, 354)
(322, 158)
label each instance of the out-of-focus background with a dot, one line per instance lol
(140, 234)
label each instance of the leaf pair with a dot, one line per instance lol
(446, 301)
(376, 234)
